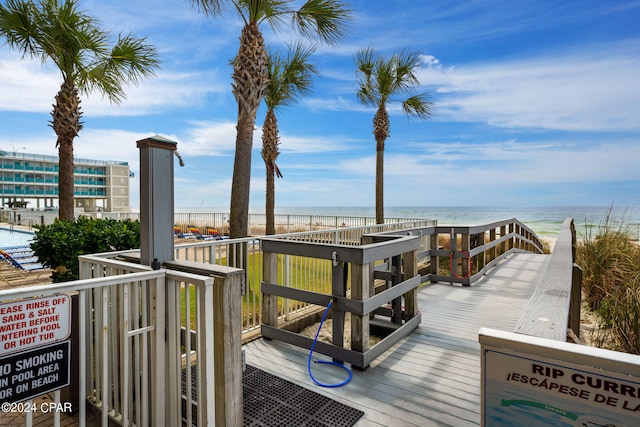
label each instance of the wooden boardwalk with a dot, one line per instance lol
(431, 377)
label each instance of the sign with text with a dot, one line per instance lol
(34, 372)
(34, 322)
(523, 386)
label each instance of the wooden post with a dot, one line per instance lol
(156, 199)
(270, 302)
(338, 288)
(493, 251)
(453, 247)
(465, 262)
(410, 269)
(503, 245)
(482, 257)
(511, 240)
(435, 260)
(227, 297)
(361, 288)
(576, 299)
(396, 303)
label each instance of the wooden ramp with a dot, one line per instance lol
(431, 377)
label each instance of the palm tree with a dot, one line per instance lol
(289, 78)
(380, 79)
(322, 20)
(56, 31)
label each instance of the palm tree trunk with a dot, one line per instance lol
(380, 182)
(66, 124)
(65, 179)
(380, 131)
(249, 82)
(270, 153)
(240, 185)
(270, 203)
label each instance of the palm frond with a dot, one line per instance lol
(209, 7)
(290, 77)
(323, 20)
(274, 12)
(367, 62)
(380, 79)
(19, 28)
(418, 106)
(406, 63)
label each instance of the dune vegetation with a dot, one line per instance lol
(610, 260)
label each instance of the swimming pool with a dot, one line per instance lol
(9, 238)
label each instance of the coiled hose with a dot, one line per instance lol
(327, 362)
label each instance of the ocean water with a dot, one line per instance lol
(545, 221)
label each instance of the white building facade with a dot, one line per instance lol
(31, 181)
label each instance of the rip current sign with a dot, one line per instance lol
(34, 372)
(530, 381)
(34, 322)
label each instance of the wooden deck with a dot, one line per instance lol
(431, 377)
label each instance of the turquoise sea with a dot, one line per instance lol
(545, 221)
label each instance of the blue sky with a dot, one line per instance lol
(537, 103)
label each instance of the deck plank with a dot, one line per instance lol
(432, 376)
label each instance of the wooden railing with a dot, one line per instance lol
(249, 256)
(462, 254)
(383, 267)
(462, 259)
(554, 307)
(383, 281)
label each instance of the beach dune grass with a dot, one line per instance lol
(611, 284)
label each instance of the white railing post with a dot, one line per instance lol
(205, 347)
(158, 302)
(125, 354)
(83, 365)
(104, 309)
(172, 351)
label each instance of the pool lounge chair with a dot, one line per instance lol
(177, 232)
(213, 234)
(26, 263)
(22, 267)
(208, 236)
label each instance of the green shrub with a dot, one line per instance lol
(58, 245)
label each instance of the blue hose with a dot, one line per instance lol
(324, 317)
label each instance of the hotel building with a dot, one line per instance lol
(31, 181)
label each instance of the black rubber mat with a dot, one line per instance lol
(273, 401)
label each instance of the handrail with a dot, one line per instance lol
(394, 259)
(499, 239)
(554, 308)
(505, 237)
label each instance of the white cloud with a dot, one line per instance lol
(209, 138)
(212, 192)
(516, 163)
(167, 91)
(594, 92)
(334, 104)
(28, 86)
(315, 144)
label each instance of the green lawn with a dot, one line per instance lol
(304, 273)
